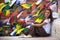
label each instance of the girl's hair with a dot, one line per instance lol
(50, 16)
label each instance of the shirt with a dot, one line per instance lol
(47, 26)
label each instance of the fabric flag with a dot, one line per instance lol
(37, 13)
(25, 30)
(18, 2)
(1, 8)
(51, 0)
(14, 32)
(38, 2)
(12, 3)
(27, 6)
(53, 7)
(7, 13)
(40, 18)
(1, 4)
(27, 27)
(18, 26)
(19, 31)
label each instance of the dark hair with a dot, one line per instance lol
(50, 16)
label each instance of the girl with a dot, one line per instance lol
(43, 29)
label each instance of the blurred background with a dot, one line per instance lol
(55, 34)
